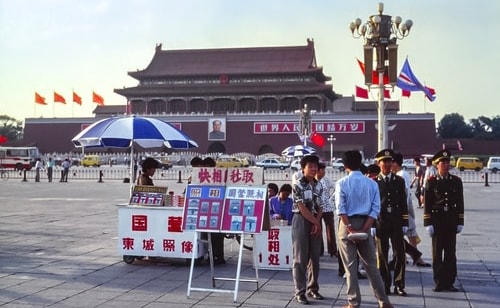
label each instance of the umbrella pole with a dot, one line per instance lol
(132, 165)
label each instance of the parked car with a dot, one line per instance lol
(338, 164)
(295, 165)
(91, 161)
(164, 163)
(408, 164)
(493, 164)
(272, 163)
(229, 162)
(471, 163)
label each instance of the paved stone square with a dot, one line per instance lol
(58, 249)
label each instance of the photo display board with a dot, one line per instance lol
(244, 209)
(228, 209)
(203, 207)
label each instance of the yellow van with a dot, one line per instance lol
(471, 163)
(91, 161)
(229, 162)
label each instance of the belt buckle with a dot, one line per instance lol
(389, 209)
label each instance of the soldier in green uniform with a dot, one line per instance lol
(443, 219)
(392, 223)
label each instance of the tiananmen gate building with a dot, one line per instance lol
(253, 94)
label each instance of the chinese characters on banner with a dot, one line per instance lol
(319, 127)
(146, 231)
(227, 176)
(273, 249)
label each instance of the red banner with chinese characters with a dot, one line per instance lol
(347, 127)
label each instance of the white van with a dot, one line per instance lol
(493, 164)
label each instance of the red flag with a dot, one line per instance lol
(96, 98)
(40, 99)
(361, 92)
(374, 73)
(77, 99)
(59, 98)
(406, 93)
(317, 139)
(387, 93)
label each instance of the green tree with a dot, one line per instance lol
(11, 128)
(486, 128)
(453, 126)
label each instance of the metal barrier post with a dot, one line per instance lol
(180, 177)
(486, 179)
(24, 176)
(100, 176)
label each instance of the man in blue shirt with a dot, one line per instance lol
(357, 201)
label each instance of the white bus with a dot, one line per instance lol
(18, 158)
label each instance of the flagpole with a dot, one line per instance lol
(381, 32)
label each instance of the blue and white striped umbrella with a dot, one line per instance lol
(123, 132)
(298, 151)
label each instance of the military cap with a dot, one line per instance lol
(384, 154)
(443, 154)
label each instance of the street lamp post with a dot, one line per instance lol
(380, 34)
(305, 126)
(331, 139)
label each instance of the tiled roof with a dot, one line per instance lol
(227, 61)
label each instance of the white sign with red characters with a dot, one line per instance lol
(273, 249)
(149, 231)
(247, 176)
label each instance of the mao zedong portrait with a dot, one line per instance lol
(216, 133)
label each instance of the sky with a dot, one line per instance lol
(85, 46)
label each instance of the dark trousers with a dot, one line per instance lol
(331, 241)
(444, 260)
(418, 193)
(306, 249)
(217, 245)
(49, 173)
(394, 234)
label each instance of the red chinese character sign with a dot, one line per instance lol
(203, 208)
(150, 231)
(273, 248)
(244, 208)
(227, 176)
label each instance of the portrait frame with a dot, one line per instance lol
(212, 134)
